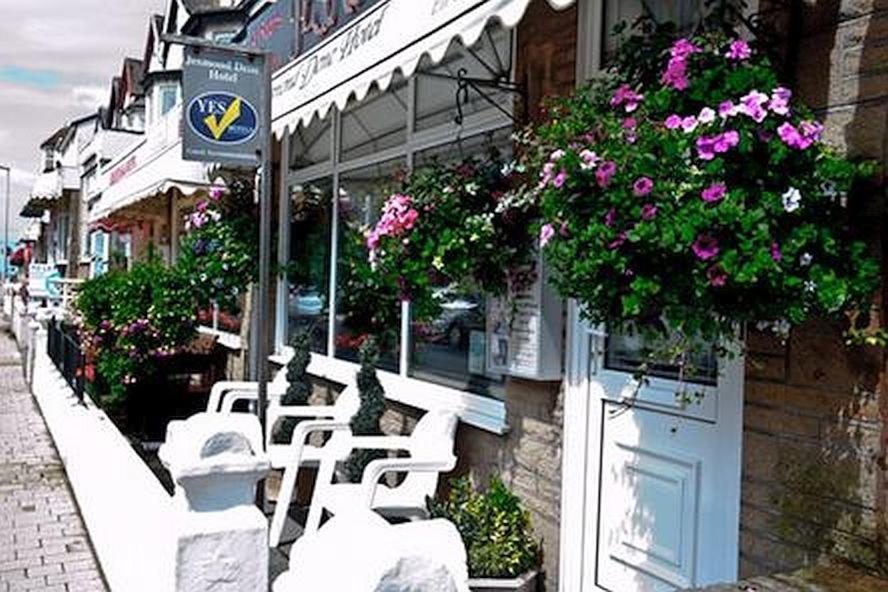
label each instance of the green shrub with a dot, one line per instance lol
(298, 384)
(494, 526)
(366, 420)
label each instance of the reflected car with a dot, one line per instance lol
(460, 315)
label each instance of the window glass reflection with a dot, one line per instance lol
(363, 306)
(308, 272)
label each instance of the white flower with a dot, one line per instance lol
(589, 158)
(689, 124)
(810, 286)
(472, 189)
(707, 115)
(556, 156)
(806, 259)
(792, 199)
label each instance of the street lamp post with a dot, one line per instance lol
(6, 229)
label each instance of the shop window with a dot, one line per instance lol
(311, 145)
(490, 59)
(362, 311)
(452, 348)
(629, 351)
(377, 123)
(169, 96)
(682, 12)
(308, 271)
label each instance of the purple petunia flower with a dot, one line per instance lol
(776, 254)
(714, 193)
(624, 95)
(589, 158)
(605, 173)
(642, 186)
(610, 218)
(779, 102)
(617, 242)
(689, 124)
(752, 105)
(648, 212)
(705, 247)
(560, 179)
(727, 109)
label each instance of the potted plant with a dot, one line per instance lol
(497, 532)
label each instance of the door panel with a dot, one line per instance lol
(658, 493)
(649, 511)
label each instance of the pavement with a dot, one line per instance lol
(43, 543)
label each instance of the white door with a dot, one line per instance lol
(651, 483)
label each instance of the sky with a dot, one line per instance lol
(56, 63)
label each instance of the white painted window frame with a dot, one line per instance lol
(483, 412)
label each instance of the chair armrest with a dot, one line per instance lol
(381, 443)
(305, 428)
(375, 469)
(277, 411)
(221, 389)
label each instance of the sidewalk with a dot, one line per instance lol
(43, 545)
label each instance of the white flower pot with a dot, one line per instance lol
(523, 583)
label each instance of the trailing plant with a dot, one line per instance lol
(299, 385)
(454, 225)
(218, 253)
(688, 192)
(366, 421)
(495, 528)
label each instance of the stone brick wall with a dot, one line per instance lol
(814, 479)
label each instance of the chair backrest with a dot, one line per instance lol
(433, 437)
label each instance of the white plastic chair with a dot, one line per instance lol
(317, 418)
(431, 452)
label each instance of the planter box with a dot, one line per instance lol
(524, 583)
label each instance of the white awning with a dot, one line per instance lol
(392, 36)
(151, 167)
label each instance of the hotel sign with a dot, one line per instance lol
(223, 121)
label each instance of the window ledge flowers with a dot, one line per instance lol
(717, 204)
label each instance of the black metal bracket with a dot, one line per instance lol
(465, 84)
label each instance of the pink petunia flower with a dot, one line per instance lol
(682, 48)
(642, 186)
(706, 115)
(705, 247)
(727, 109)
(752, 105)
(714, 193)
(689, 124)
(589, 158)
(605, 173)
(779, 102)
(673, 121)
(560, 179)
(648, 212)
(739, 50)
(547, 232)
(617, 242)
(717, 276)
(624, 95)
(610, 218)
(776, 254)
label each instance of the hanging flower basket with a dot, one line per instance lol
(701, 195)
(466, 225)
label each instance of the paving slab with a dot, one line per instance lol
(43, 544)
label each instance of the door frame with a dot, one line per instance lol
(580, 463)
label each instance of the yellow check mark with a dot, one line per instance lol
(217, 128)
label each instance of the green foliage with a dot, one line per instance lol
(466, 225)
(634, 229)
(299, 385)
(130, 321)
(494, 526)
(218, 255)
(366, 420)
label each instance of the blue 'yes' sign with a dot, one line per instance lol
(223, 107)
(223, 118)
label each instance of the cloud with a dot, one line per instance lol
(90, 97)
(58, 58)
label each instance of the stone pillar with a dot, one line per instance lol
(221, 539)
